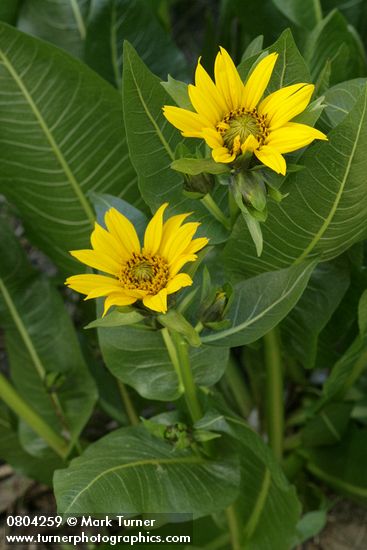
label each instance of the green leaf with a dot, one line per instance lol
(117, 319)
(340, 100)
(326, 207)
(254, 48)
(260, 303)
(194, 166)
(139, 358)
(268, 507)
(152, 143)
(303, 14)
(347, 369)
(310, 525)
(13, 453)
(9, 11)
(290, 67)
(335, 41)
(362, 314)
(328, 426)
(115, 473)
(301, 328)
(113, 21)
(177, 322)
(342, 466)
(62, 23)
(71, 142)
(179, 92)
(47, 367)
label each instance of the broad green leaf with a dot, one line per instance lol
(139, 358)
(328, 426)
(254, 48)
(260, 303)
(46, 364)
(347, 369)
(179, 92)
(117, 319)
(301, 328)
(9, 10)
(134, 472)
(61, 131)
(62, 23)
(310, 525)
(324, 213)
(343, 467)
(334, 40)
(340, 100)
(290, 67)
(304, 14)
(152, 143)
(194, 166)
(113, 21)
(362, 314)
(267, 508)
(12, 452)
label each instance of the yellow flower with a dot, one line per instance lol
(149, 273)
(232, 119)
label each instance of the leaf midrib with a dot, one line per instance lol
(338, 197)
(149, 115)
(50, 138)
(150, 461)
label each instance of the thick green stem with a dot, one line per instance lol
(170, 345)
(238, 388)
(14, 401)
(215, 211)
(234, 528)
(274, 392)
(187, 379)
(128, 404)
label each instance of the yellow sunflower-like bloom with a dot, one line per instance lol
(135, 273)
(232, 119)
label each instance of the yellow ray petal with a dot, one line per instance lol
(153, 232)
(222, 154)
(293, 136)
(157, 302)
(206, 85)
(170, 228)
(212, 138)
(118, 299)
(228, 80)
(98, 260)
(179, 281)
(180, 262)
(183, 238)
(87, 283)
(250, 144)
(282, 106)
(205, 109)
(188, 122)
(272, 158)
(107, 243)
(196, 245)
(258, 80)
(123, 230)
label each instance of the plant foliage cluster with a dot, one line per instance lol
(278, 359)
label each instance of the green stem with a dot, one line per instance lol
(274, 392)
(128, 404)
(215, 211)
(238, 388)
(234, 528)
(187, 379)
(356, 371)
(173, 356)
(14, 401)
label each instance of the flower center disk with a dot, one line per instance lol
(239, 124)
(145, 272)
